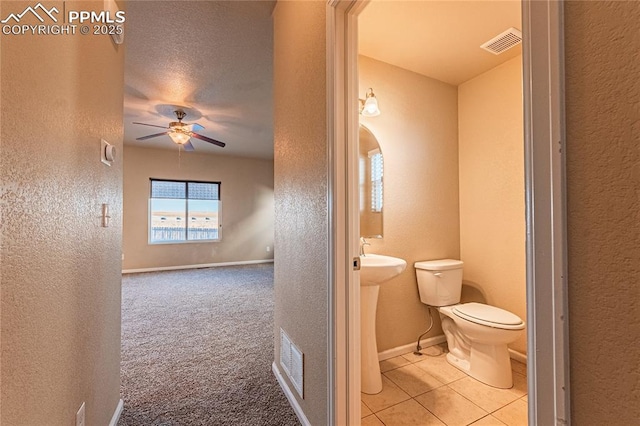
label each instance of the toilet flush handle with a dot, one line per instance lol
(437, 274)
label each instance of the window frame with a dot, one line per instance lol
(186, 200)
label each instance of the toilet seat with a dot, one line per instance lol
(490, 316)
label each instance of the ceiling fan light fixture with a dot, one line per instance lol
(181, 133)
(179, 137)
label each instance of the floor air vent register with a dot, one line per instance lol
(291, 360)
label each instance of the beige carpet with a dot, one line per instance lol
(197, 348)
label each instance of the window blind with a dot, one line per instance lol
(376, 182)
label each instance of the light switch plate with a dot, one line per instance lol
(106, 151)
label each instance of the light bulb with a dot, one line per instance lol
(371, 107)
(179, 137)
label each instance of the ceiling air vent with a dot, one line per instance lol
(503, 42)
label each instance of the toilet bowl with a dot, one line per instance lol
(477, 334)
(478, 341)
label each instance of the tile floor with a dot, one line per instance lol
(427, 390)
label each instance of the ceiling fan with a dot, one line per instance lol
(181, 133)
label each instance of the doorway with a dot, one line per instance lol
(452, 139)
(546, 286)
(198, 214)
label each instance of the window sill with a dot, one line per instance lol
(164, 243)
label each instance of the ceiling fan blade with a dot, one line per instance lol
(152, 136)
(206, 139)
(195, 127)
(188, 146)
(152, 125)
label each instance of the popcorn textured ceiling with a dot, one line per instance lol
(214, 57)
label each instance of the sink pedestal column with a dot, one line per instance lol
(371, 380)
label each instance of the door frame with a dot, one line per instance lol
(545, 183)
(344, 284)
(546, 246)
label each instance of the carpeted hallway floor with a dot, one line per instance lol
(197, 348)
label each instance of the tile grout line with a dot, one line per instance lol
(417, 360)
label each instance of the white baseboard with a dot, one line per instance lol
(432, 341)
(410, 347)
(292, 399)
(117, 413)
(518, 356)
(201, 265)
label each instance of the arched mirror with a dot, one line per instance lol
(371, 167)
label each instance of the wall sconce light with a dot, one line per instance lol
(369, 106)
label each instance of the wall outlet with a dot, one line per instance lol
(80, 416)
(268, 249)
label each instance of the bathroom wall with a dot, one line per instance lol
(418, 135)
(602, 71)
(247, 217)
(301, 176)
(492, 211)
(60, 270)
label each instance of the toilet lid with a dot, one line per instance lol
(488, 315)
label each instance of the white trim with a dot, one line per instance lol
(410, 347)
(290, 397)
(201, 265)
(117, 413)
(547, 311)
(518, 356)
(344, 291)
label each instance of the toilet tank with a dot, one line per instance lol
(439, 281)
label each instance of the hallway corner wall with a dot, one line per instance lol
(301, 275)
(61, 279)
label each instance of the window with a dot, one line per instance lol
(184, 211)
(375, 157)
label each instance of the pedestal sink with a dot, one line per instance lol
(375, 269)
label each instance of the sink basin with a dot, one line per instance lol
(377, 268)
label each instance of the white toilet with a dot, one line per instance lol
(477, 334)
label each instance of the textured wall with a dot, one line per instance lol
(301, 210)
(60, 290)
(418, 135)
(603, 180)
(247, 207)
(492, 220)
